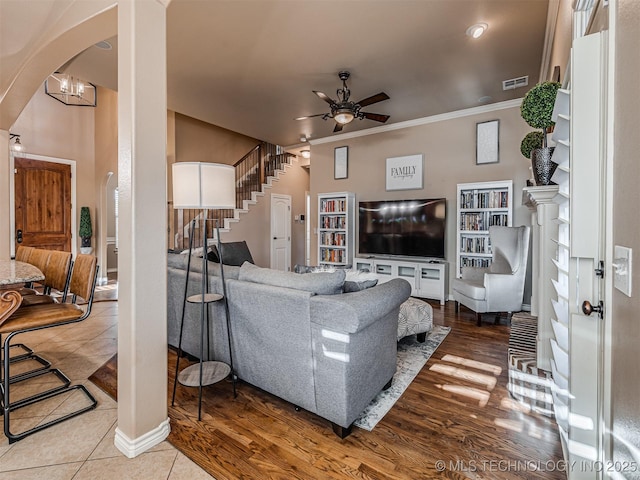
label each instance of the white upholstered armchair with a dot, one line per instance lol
(499, 287)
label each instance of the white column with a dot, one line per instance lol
(544, 222)
(142, 172)
(5, 197)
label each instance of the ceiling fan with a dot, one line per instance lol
(344, 111)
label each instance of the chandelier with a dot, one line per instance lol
(70, 90)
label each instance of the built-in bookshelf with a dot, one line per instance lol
(336, 219)
(480, 205)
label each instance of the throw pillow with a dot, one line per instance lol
(233, 253)
(323, 283)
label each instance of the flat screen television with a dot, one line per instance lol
(413, 228)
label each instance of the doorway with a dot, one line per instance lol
(281, 232)
(43, 197)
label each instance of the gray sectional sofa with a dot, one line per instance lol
(295, 335)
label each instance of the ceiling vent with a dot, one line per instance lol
(514, 83)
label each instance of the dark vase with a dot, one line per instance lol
(543, 167)
(86, 242)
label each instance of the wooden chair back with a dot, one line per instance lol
(83, 277)
(56, 273)
(39, 258)
(22, 253)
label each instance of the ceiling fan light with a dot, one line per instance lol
(343, 116)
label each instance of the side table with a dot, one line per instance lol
(207, 372)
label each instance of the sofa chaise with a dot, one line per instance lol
(296, 336)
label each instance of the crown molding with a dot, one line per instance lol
(419, 121)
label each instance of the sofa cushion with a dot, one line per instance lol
(180, 262)
(356, 280)
(321, 283)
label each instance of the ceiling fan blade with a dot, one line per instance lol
(338, 128)
(324, 97)
(378, 97)
(378, 117)
(310, 116)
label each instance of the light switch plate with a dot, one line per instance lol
(622, 269)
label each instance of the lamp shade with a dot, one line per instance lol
(203, 185)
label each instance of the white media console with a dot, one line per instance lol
(428, 278)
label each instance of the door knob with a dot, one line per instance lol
(19, 236)
(588, 309)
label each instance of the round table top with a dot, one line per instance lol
(207, 298)
(212, 372)
(15, 272)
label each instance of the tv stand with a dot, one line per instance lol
(428, 277)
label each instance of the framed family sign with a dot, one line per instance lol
(404, 173)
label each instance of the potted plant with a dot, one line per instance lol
(536, 110)
(85, 230)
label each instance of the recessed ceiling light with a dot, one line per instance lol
(104, 45)
(475, 31)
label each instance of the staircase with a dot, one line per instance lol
(255, 171)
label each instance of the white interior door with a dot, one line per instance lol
(281, 232)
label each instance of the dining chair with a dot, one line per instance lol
(38, 257)
(37, 317)
(57, 274)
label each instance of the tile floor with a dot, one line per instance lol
(81, 448)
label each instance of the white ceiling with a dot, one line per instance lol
(251, 66)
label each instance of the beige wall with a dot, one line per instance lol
(449, 158)
(106, 154)
(255, 226)
(561, 48)
(198, 141)
(49, 128)
(625, 382)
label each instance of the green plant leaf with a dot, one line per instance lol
(531, 141)
(537, 105)
(85, 223)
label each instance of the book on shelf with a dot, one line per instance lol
(334, 205)
(491, 199)
(333, 222)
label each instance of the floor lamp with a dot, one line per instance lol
(203, 186)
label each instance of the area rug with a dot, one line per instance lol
(412, 356)
(106, 293)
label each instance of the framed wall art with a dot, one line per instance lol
(487, 145)
(404, 173)
(340, 162)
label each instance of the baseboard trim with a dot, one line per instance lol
(133, 447)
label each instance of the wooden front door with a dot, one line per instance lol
(43, 204)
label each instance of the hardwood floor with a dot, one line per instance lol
(456, 420)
